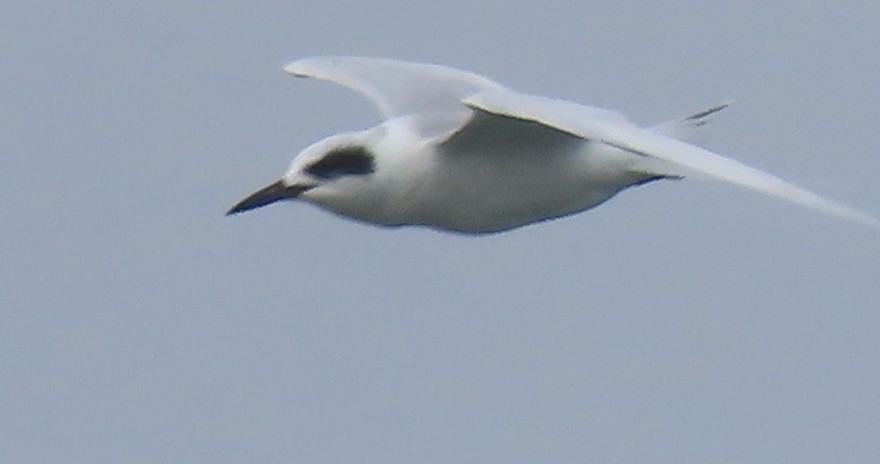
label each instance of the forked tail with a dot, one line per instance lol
(688, 129)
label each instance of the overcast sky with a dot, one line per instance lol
(680, 322)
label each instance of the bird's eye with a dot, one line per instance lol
(354, 160)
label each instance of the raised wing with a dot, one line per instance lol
(594, 124)
(397, 88)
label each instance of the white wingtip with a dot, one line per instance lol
(853, 215)
(314, 66)
(294, 68)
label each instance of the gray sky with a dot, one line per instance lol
(682, 322)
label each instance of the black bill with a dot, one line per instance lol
(266, 196)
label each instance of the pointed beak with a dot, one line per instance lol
(266, 196)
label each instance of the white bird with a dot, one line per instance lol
(460, 152)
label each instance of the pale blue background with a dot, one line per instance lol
(683, 322)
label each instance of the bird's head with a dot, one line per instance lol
(337, 173)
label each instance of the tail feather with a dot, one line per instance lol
(688, 129)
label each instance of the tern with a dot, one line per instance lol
(460, 152)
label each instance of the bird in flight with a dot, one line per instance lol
(460, 152)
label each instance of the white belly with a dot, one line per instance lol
(474, 193)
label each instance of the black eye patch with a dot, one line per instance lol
(344, 161)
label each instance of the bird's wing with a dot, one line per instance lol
(397, 88)
(593, 124)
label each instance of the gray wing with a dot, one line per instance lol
(599, 125)
(397, 88)
(485, 134)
